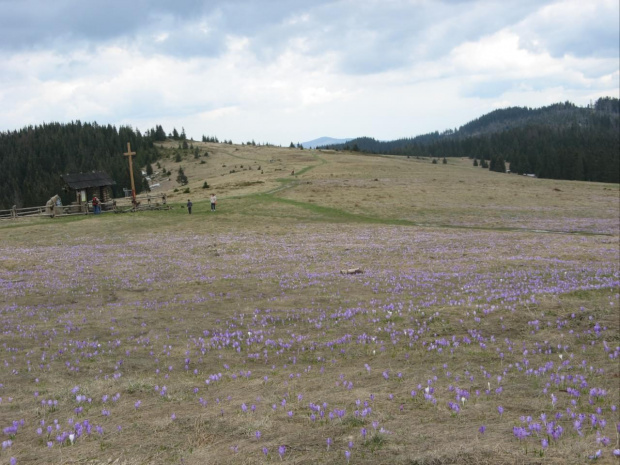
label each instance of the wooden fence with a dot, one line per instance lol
(114, 206)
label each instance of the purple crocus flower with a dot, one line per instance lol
(520, 432)
(281, 451)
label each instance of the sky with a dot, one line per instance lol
(281, 71)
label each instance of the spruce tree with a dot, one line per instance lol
(181, 177)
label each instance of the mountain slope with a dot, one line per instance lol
(323, 141)
(560, 141)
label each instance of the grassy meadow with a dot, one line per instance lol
(484, 328)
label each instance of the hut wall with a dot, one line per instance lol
(106, 194)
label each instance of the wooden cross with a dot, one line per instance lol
(133, 187)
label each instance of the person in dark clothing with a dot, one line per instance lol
(189, 206)
(96, 206)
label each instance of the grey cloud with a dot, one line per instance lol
(593, 33)
(370, 37)
(29, 24)
(366, 36)
(34, 23)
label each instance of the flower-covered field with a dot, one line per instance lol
(210, 342)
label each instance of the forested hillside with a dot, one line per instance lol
(32, 159)
(560, 141)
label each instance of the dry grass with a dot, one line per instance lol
(116, 304)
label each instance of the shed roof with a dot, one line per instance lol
(85, 180)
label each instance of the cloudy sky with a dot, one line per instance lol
(293, 70)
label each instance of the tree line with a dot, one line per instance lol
(560, 141)
(34, 158)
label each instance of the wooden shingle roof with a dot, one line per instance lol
(86, 180)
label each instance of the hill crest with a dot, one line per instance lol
(312, 144)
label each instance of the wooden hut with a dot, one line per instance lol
(87, 185)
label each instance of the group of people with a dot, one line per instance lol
(213, 203)
(97, 204)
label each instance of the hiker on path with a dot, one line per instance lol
(189, 206)
(213, 202)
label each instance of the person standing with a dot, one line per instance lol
(95, 205)
(213, 202)
(189, 206)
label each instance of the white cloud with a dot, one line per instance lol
(499, 54)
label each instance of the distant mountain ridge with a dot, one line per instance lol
(312, 144)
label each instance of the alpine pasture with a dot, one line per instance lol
(484, 328)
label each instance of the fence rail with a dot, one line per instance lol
(143, 203)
